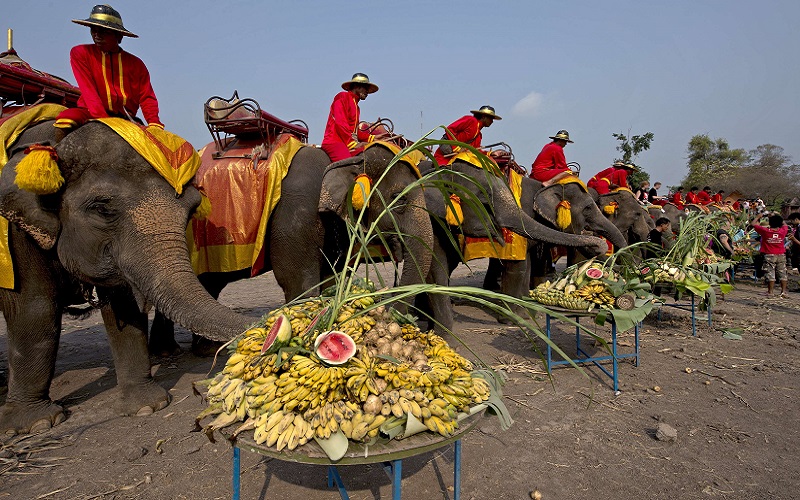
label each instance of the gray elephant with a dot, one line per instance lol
(306, 232)
(630, 217)
(116, 225)
(494, 194)
(670, 211)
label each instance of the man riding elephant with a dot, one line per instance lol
(343, 138)
(466, 129)
(550, 166)
(113, 83)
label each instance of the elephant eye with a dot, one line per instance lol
(102, 207)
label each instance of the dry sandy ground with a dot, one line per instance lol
(733, 405)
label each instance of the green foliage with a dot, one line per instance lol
(711, 161)
(631, 147)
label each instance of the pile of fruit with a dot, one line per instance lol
(291, 380)
(582, 288)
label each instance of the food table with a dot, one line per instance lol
(582, 357)
(681, 303)
(388, 452)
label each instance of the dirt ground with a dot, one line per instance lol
(733, 404)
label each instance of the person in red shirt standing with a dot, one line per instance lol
(466, 129)
(343, 138)
(704, 196)
(772, 246)
(601, 182)
(113, 83)
(691, 196)
(550, 165)
(717, 198)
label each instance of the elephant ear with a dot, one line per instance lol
(336, 183)
(34, 214)
(545, 203)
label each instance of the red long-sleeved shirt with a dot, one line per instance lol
(692, 198)
(619, 177)
(601, 180)
(113, 84)
(703, 198)
(551, 157)
(343, 122)
(677, 199)
(466, 129)
(717, 198)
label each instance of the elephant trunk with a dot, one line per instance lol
(165, 278)
(604, 226)
(521, 223)
(417, 252)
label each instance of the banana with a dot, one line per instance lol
(272, 436)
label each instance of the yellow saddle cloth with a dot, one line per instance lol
(243, 193)
(10, 130)
(516, 246)
(573, 179)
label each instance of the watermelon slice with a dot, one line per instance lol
(334, 348)
(594, 273)
(279, 335)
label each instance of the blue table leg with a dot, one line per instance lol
(457, 471)
(614, 354)
(577, 335)
(335, 478)
(547, 331)
(395, 471)
(694, 327)
(236, 474)
(636, 343)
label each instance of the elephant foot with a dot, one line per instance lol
(203, 347)
(141, 400)
(16, 418)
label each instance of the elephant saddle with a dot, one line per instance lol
(243, 187)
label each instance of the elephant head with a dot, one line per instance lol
(117, 223)
(493, 193)
(584, 212)
(405, 223)
(630, 217)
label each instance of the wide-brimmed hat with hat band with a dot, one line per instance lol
(104, 16)
(618, 163)
(360, 79)
(486, 111)
(630, 166)
(561, 135)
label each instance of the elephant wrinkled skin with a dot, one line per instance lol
(117, 225)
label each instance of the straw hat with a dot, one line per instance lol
(360, 79)
(104, 16)
(561, 135)
(487, 111)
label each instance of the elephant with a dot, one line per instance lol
(670, 211)
(630, 217)
(115, 226)
(306, 234)
(494, 194)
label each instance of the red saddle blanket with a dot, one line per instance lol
(243, 188)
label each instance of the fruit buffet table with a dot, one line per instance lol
(691, 305)
(582, 356)
(388, 452)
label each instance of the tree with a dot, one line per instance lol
(630, 149)
(769, 175)
(711, 161)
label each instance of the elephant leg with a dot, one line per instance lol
(492, 279)
(127, 333)
(34, 326)
(162, 337)
(515, 279)
(440, 304)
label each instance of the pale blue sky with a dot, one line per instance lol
(675, 68)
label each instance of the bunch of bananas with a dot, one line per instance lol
(360, 377)
(345, 416)
(308, 383)
(282, 429)
(596, 292)
(546, 296)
